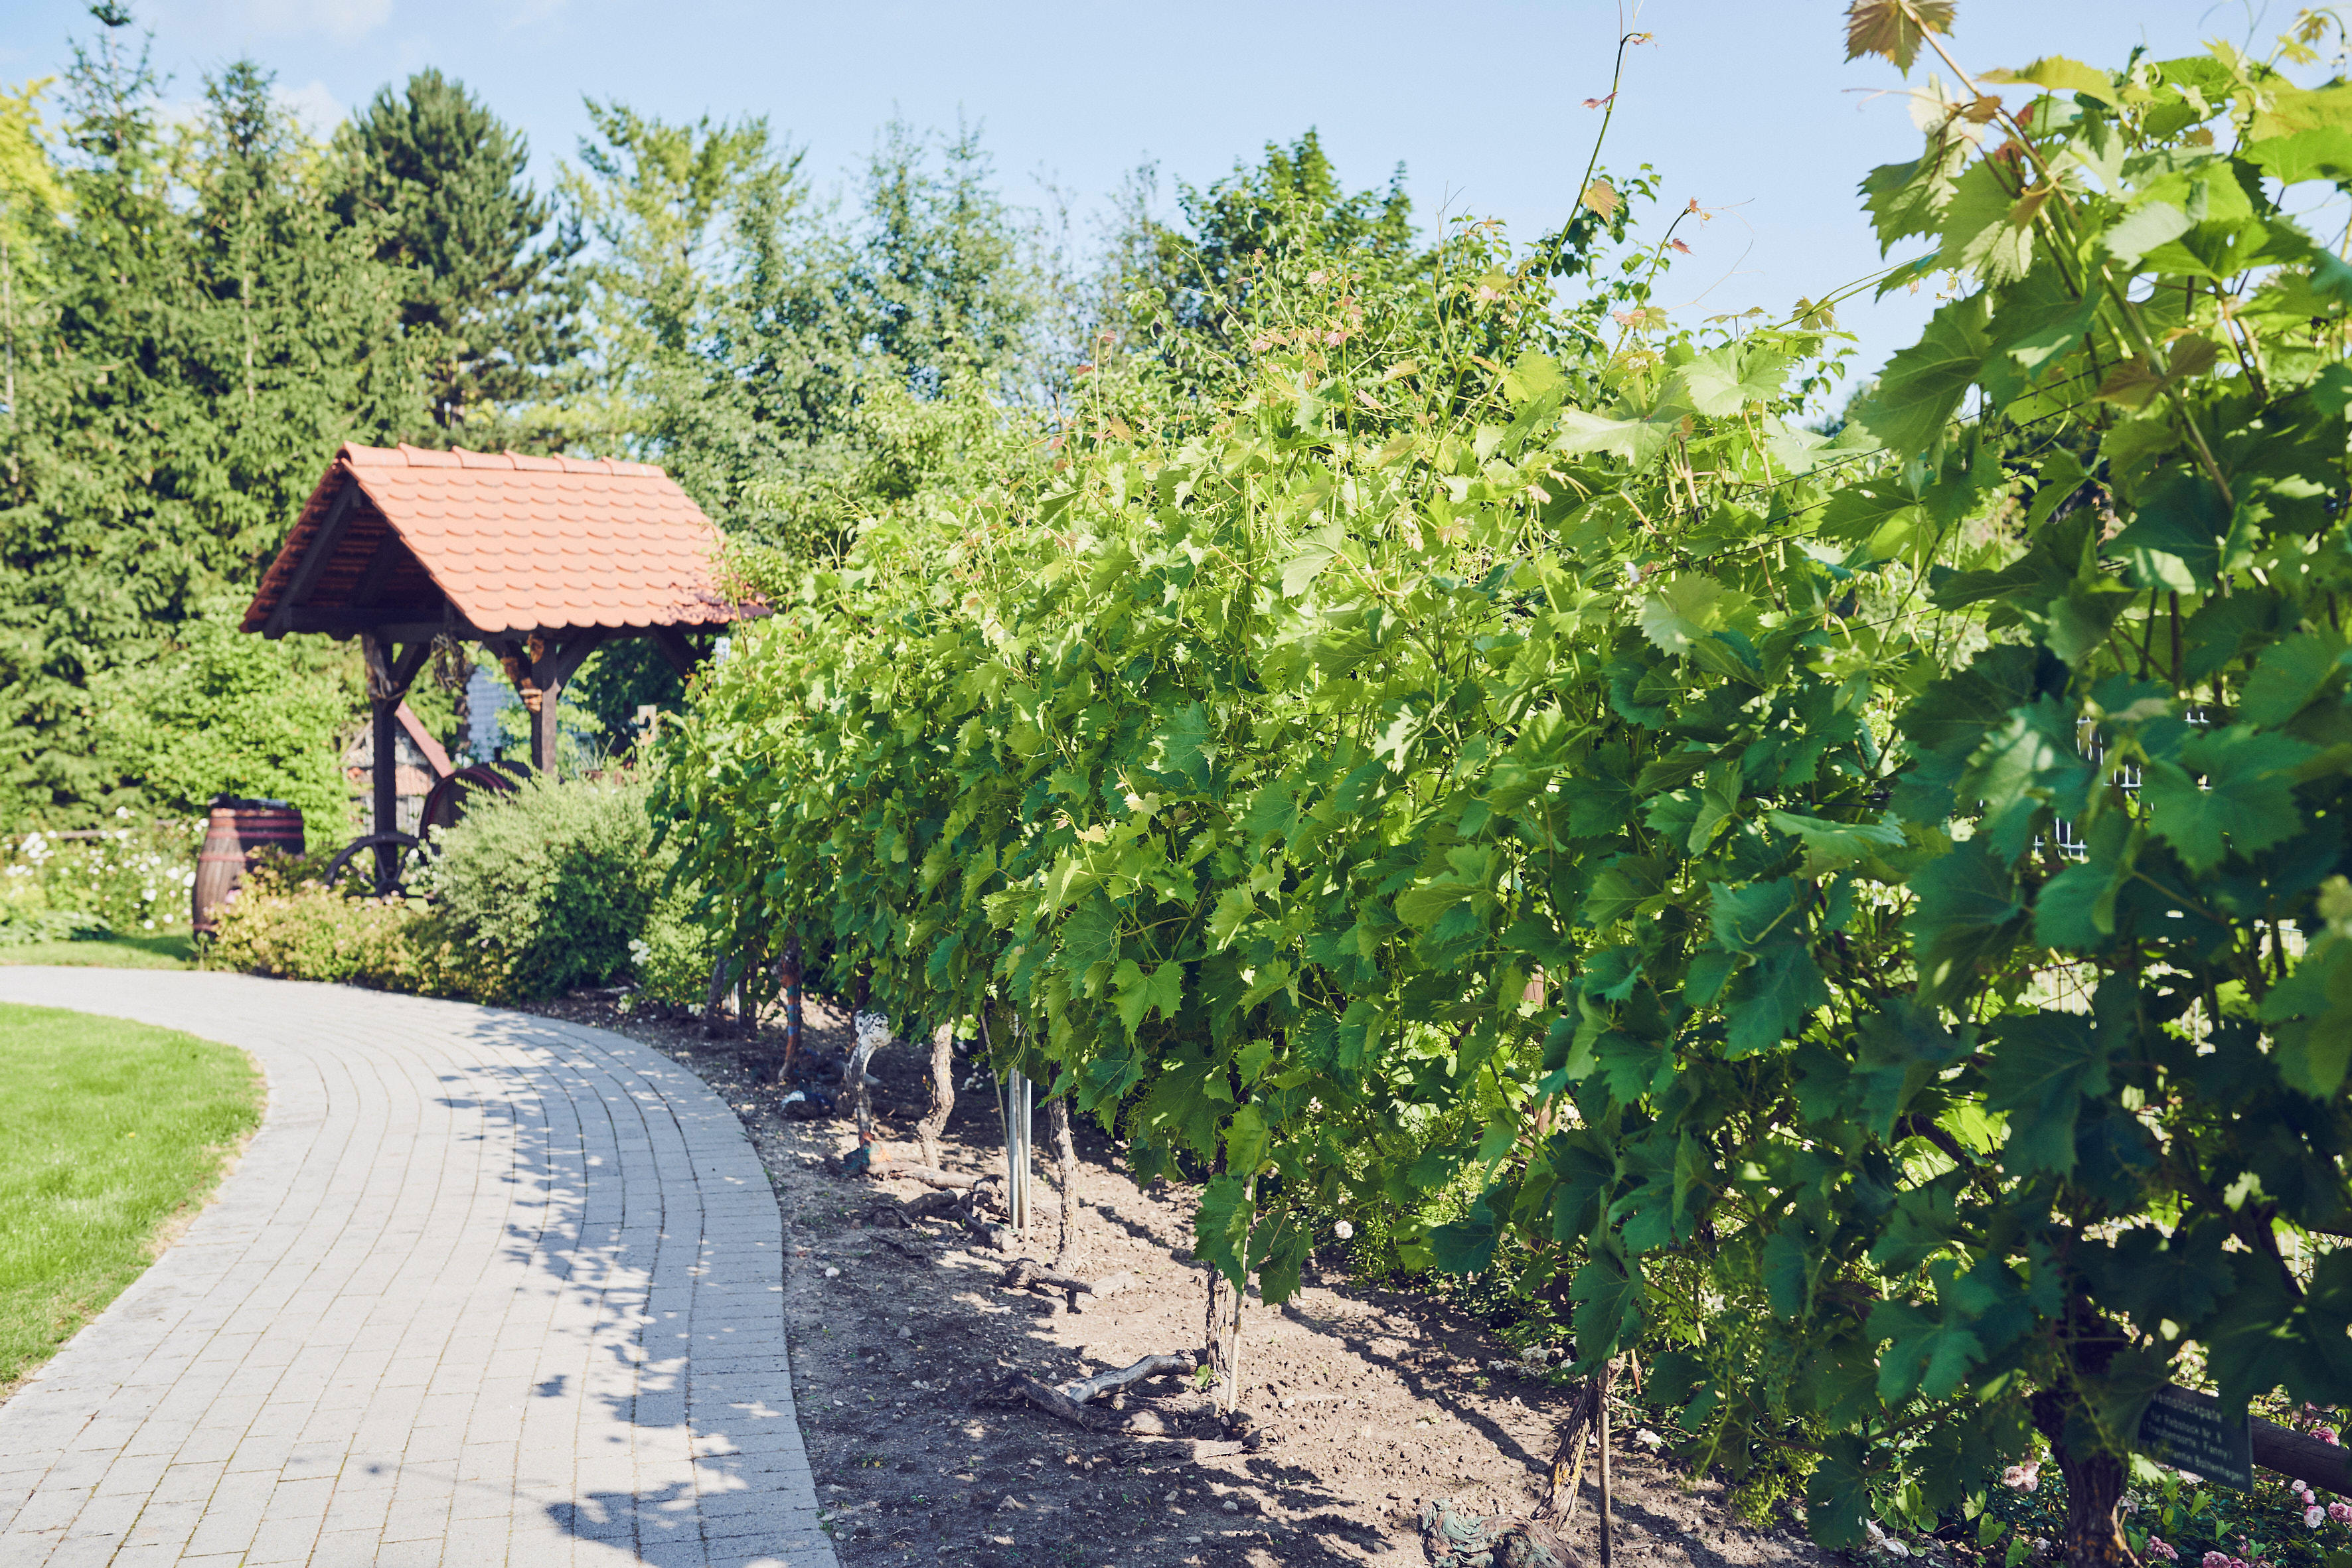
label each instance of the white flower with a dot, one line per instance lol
(1344, 1231)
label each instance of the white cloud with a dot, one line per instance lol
(314, 105)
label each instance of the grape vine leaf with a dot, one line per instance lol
(1222, 1225)
(1967, 911)
(1466, 1246)
(1609, 1300)
(1894, 29)
(2040, 1068)
(1684, 611)
(2246, 801)
(2058, 74)
(1923, 385)
(1724, 380)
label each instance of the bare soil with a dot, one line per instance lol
(1372, 1400)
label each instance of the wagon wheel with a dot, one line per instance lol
(401, 844)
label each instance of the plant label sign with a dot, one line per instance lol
(2186, 1430)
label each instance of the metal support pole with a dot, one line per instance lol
(1605, 1520)
(1013, 1104)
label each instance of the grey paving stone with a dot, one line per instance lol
(485, 1289)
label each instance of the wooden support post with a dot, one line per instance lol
(390, 670)
(789, 971)
(545, 737)
(384, 746)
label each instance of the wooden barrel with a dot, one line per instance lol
(233, 833)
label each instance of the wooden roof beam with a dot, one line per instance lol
(314, 562)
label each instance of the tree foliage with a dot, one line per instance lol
(439, 182)
(1873, 904)
(204, 334)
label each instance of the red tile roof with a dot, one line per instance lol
(516, 544)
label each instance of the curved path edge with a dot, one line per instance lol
(485, 1288)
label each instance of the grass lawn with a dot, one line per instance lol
(109, 1131)
(109, 952)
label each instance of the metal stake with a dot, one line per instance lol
(1015, 1104)
(1604, 1468)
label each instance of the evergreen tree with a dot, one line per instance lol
(440, 183)
(205, 334)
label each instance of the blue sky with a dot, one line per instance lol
(1744, 107)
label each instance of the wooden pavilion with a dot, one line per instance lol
(542, 560)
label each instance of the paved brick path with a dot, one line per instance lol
(486, 1288)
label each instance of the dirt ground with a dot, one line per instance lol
(1371, 1401)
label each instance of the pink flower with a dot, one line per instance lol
(2325, 1436)
(2341, 1513)
(2158, 1548)
(2313, 1518)
(2022, 1477)
(2214, 1560)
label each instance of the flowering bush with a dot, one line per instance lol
(2281, 1523)
(132, 874)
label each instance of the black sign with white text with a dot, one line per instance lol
(2186, 1430)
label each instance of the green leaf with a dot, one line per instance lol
(1831, 845)
(1245, 1141)
(2058, 74)
(2040, 1068)
(1620, 889)
(2289, 674)
(1788, 1272)
(1188, 747)
(1987, 228)
(1316, 552)
(1685, 610)
(1928, 1354)
(1422, 905)
(1771, 998)
(1090, 936)
(2323, 153)
(1609, 1306)
(1234, 910)
(1220, 1225)
(1746, 918)
(1467, 1246)
(1923, 385)
(2314, 1007)
(2143, 229)
(1724, 380)
(1637, 434)
(2246, 802)
(1968, 912)
(1837, 1494)
(1137, 994)
(2178, 538)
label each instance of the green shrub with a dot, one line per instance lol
(672, 958)
(218, 711)
(550, 886)
(284, 921)
(132, 874)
